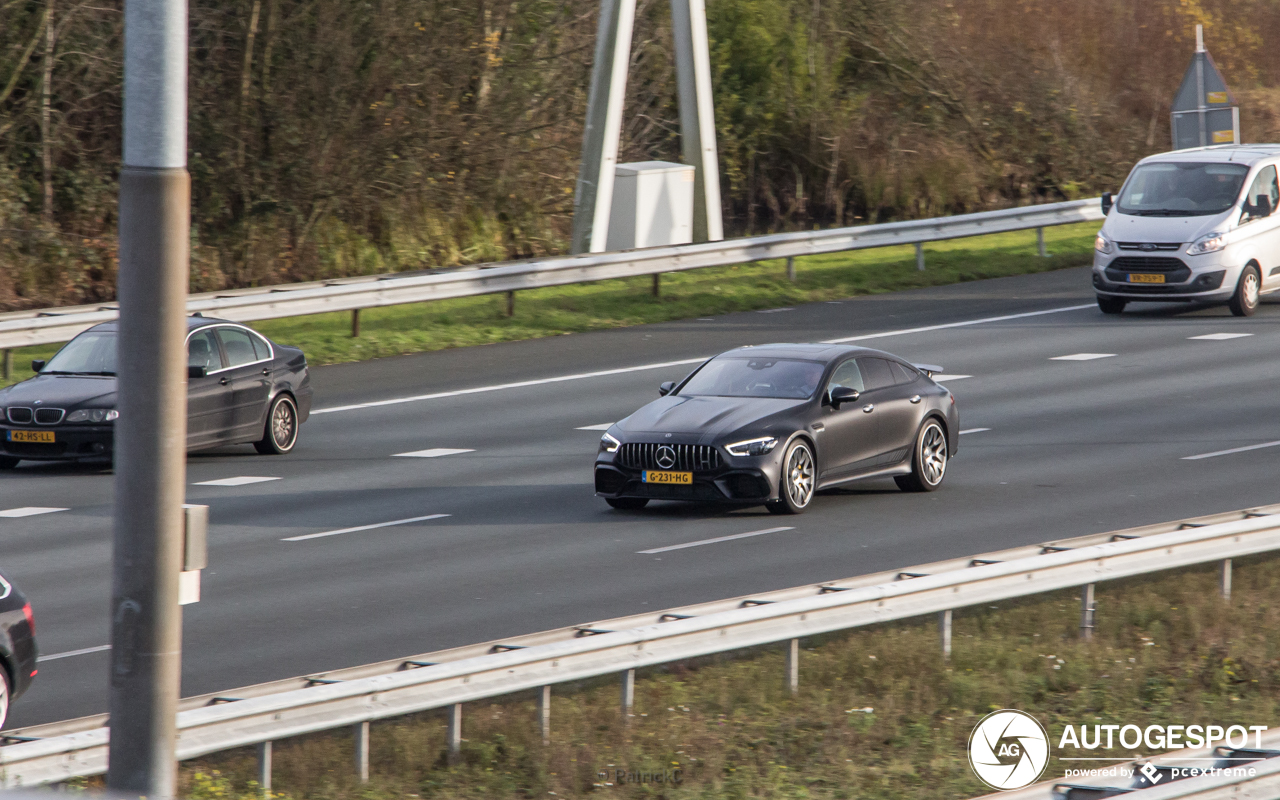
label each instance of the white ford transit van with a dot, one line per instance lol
(1196, 225)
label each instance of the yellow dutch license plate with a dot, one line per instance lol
(1135, 277)
(655, 476)
(40, 437)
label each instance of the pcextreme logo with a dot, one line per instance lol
(1008, 749)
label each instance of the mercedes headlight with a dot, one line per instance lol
(93, 415)
(1208, 243)
(752, 447)
(609, 444)
(1102, 244)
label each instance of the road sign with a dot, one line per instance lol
(1204, 110)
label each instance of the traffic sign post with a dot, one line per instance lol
(1204, 110)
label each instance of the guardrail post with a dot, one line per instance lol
(791, 269)
(361, 731)
(1087, 608)
(1040, 243)
(544, 714)
(793, 666)
(944, 631)
(355, 323)
(1224, 579)
(8, 364)
(920, 256)
(628, 694)
(511, 304)
(264, 766)
(657, 282)
(455, 732)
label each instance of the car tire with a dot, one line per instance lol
(1245, 299)
(627, 503)
(4, 695)
(798, 480)
(928, 459)
(281, 431)
(8, 462)
(1111, 305)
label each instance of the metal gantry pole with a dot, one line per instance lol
(697, 115)
(593, 196)
(150, 436)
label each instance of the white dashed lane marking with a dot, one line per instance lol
(1083, 357)
(711, 541)
(29, 511)
(974, 430)
(603, 426)
(84, 651)
(943, 378)
(1218, 337)
(243, 480)
(433, 453)
(1232, 450)
(341, 531)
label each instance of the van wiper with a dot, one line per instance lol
(1170, 212)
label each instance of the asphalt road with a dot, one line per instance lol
(1065, 447)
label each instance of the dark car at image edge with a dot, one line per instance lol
(242, 388)
(17, 646)
(773, 424)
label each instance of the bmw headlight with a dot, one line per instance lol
(93, 415)
(1208, 243)
(1102, 244)
(609, 444)
(752, 447)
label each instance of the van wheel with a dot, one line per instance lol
(1245, 300)
(1111, 305)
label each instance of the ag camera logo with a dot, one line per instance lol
(1008, 749)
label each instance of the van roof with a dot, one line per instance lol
(1246, 154)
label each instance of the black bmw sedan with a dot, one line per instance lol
(242, 388)
(17, 646)
(773, 424)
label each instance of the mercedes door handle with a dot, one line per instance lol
(867, 409)
(268, 372)
(224, 381)
(915, 399)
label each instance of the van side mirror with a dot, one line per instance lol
(37, 364)
(197, 372)
(1106, 202)
(1260, 208)
(665, 388)
(844, 394)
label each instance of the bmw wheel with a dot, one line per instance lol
(8, 462)
(799, 477)
(1245, 300)
(928, 460)
(281, 432)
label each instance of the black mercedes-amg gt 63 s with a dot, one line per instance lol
(242, 388)
(775, 423)
(17, 646)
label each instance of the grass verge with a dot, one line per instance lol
(879, 714)
(326, 338)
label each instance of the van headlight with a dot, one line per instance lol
(609, 444)
(93, 415)
(752, 447)
(1102, 244)
(1208, 243)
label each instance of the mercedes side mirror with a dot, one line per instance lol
(1106, 203)
(665, 388)
(197, 372)
(37, 364)
(843, 394)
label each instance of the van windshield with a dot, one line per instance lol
(1182, 190)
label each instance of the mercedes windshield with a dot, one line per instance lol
(782, 378)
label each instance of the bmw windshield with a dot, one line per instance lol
(90, 353)
(782, 378)
(1182, 190)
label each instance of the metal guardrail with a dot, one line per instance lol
(592, 652)
(24, 328)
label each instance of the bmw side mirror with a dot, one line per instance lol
(843, 394)
(1106, 203)
(197, 372)
(665, 388)
(37, 364)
